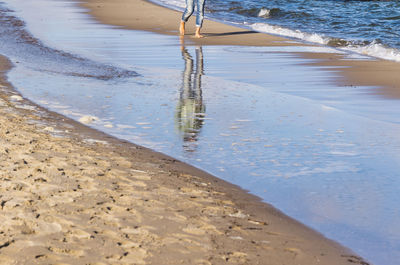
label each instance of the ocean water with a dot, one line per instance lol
(325, 155)
(366, 27)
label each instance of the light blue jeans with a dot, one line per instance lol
(189, 11)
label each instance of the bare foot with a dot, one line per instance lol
(182, 28)
(197, 34)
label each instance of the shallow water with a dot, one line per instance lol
(256, 117)
(370, 27)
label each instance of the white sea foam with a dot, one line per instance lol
(374, 49)
(264, 12)
(277, 30)
(87, 119)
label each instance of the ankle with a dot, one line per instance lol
(182, 28)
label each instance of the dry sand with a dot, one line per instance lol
(73, 195)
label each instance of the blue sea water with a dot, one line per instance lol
(368, 27)
(257, 117)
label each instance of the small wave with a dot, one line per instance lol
(252, 12)
(339, 43)
(372, 49)
(267, 13)
(18, 43)
(376, 50)
(297, 34)
(264, 12)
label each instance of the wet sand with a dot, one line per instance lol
(73, 195)
(143, 15)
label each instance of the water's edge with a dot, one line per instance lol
(208, 82)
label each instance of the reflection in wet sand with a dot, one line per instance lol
(280, 130)
(190, 111)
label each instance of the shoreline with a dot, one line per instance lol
(64, 198)
(162, 20)
(233, 225)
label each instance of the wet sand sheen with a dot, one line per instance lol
(382, 76)
(143, 15)
(70, 194)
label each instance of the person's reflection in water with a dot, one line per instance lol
(191, 109)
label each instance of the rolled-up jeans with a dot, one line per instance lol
(189, 11)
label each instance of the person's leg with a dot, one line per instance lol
(199, 17)
(182, 28)
(197, 34)
(186, 15)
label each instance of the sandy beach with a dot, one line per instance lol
(131, 15)
(74, 195)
